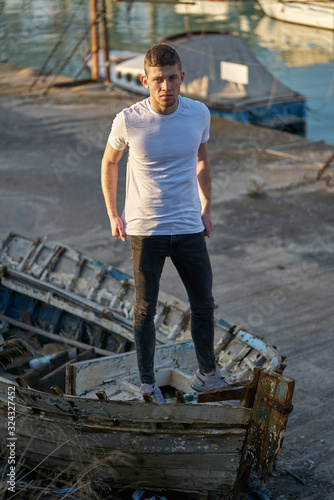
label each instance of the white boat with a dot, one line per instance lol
(115, 57)
(127, 75)
(211, 9)
(319, 14)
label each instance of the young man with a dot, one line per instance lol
(167, 208)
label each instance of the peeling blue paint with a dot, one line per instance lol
(253, 342)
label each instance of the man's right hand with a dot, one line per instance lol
(117, 228)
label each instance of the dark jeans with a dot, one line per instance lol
(189, 255)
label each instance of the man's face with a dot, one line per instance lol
(164, 86)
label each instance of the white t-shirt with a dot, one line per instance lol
(161, 187)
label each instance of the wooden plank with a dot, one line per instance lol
(90, 375)
(296, 145)
(52, 374)
(33, 376)
(97, 438)
(138, 412)
(272, 406)
(57, 375)
(53, 336)
(70, 379)
(93, 445)
(86, 355)
(291, 156)
(94, 284)
(50, 262)
(32, 254)
(222, 394)
(78, 270)
(54, 377)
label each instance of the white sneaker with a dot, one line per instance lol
(154, 392)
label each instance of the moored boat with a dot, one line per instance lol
(223, 73)
(319, 14)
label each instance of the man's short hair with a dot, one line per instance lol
(161, 55)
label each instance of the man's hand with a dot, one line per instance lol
(117, 227)
(207, 221)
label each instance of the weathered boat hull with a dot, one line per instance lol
(206, 449)
(129, 445)
(99, 427)
(316, 14)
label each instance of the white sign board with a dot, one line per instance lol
(233, 72)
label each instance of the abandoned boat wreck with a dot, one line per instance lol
(99, 426)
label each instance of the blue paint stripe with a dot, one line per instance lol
(253, 342)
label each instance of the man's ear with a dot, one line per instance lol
(182, 76)
(143, 80)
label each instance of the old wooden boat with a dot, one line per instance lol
(98, 427)
(223, 73)
(204, 447)
(316, 13)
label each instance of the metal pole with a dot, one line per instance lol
(104, 40)
(94, 43)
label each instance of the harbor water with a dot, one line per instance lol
(55, 33)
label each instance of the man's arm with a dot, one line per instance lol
(109, 179)
(204, 186)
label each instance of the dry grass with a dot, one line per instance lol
(76, 481)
